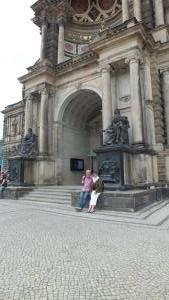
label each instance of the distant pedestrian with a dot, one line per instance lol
(98, 187)
(3, 184)
(87, 182)
(1, 177)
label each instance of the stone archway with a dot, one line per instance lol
(81, 132)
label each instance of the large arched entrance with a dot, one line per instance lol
(82, 124)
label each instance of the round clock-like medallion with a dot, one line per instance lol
(93, 11)
(106, 5)
(79, 6)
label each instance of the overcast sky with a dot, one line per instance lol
(19, 48)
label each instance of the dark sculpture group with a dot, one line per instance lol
(117, 132)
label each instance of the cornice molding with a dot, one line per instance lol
(121, 32)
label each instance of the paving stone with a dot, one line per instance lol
(48, 252)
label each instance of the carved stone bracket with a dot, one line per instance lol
(125, 99)
(149, 103)
(104, 67)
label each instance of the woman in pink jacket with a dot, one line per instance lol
(87, 182)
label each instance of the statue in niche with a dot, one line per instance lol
(14, 127)
(28, 144)
(117, 132)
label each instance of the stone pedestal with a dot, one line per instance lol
(161, 34)
(127, 201)
(113, 161)
(124, 167)
(20, 170)
(16, 170)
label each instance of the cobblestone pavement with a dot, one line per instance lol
(48, 251)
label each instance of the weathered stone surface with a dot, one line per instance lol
(50, 252)
(102, 69)
(127, 201)
(16, 192)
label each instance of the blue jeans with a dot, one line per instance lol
(84, 197)
(2, 189)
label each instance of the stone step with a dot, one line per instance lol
(48, 200)
(57, 193)
(57, 190)
(52, 194)
(49, 197)
(59, 187)
(154, 215)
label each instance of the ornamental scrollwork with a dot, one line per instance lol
(94, 11)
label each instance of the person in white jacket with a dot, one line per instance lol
(98, 187)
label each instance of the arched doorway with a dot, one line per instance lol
(82, 124)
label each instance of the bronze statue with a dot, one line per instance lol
(117, 132)
(28, 144)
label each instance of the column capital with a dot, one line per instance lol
(43, 20)
(28, 97)
(149, 103)
(135, 58)
(61, 20)
(164, 71)
(64, 10)
(44, 90)
(104, 68)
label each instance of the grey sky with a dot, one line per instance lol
(20, 46)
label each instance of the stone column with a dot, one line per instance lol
(114, 91)
(58, 151)
(137, 10)
(107, 98)
(28, 112)
(43, 40)
(149, 105)
(166, 100)
(43, 130)
(125, 10)
(136, 109)
(159, 12)
(61, 40)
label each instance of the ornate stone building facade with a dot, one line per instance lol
(96, 56)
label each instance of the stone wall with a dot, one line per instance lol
(13, 130)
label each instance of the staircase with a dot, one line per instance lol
(52, 194)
